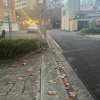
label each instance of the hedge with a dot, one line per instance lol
(93, 30)
(14, 47)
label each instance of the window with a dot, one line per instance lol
(6, 13)
(5, 3)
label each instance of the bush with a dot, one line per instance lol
(14, 47)
(93, 30)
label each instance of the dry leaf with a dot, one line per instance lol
(24, 63)
(9, 82)
(52, 92)
(49, 71)
(62, 75)
(51, 81)
(10, 68)
(30, 69)
(62, 67)
(69, 99)
(46, 84)
(67, 85)
(19, 78)
(36, 81)
(14, 65)
(72, 94)
(60, 80)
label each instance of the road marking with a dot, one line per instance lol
(73, 50)
(55, 43)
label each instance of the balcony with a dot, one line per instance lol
(20, 3)
(21, 7)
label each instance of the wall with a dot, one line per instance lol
(12, 10)
(30, 4)
(1, 11)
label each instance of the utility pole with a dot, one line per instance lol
(44, 19)
(9, 27)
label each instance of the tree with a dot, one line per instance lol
(54, 9)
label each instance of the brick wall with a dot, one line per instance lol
(12, 10)
(1, 11)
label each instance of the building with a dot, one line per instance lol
(7, 7)
(77, 14)
(28, 4)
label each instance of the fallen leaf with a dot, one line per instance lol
(60, 80)
(10, 68)
(36, 81)
(56, 68)
(9, 82)
(34, 86)
(18, 65)
(46, 84)
(14, 65)
(51, 81)
(72, 94)
(15, 62)
(24, 63)
(62, 67)
(62, 75)
(19, 78)
(69, 99)
(30, 69)
(52, 92)
(67, 85)
(49, 71)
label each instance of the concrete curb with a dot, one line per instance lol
(76, 83)
(54, 75)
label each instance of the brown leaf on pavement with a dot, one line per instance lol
(14, 65)
(56, 68)
(49, 71)
(46, 84)
(10, 68)
(62, 75)
(52, 92)
(19, 78)
(67, 85)
(24, 63)
(51, 81)
(30, 69)
(72, 94)
(7, 83)
(60, 80)
(69, 99)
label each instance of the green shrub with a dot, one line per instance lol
(14, 47)
(92, 30)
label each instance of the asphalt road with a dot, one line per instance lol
(83, 54)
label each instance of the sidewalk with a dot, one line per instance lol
(20, 79)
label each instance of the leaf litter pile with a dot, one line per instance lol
(66, 82)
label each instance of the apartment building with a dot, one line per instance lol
(78, 13)
(28, 4)
(7, 7)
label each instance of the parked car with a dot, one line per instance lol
(98, 23)
(32, 28)
(2, 32)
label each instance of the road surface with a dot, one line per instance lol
(83, 54)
